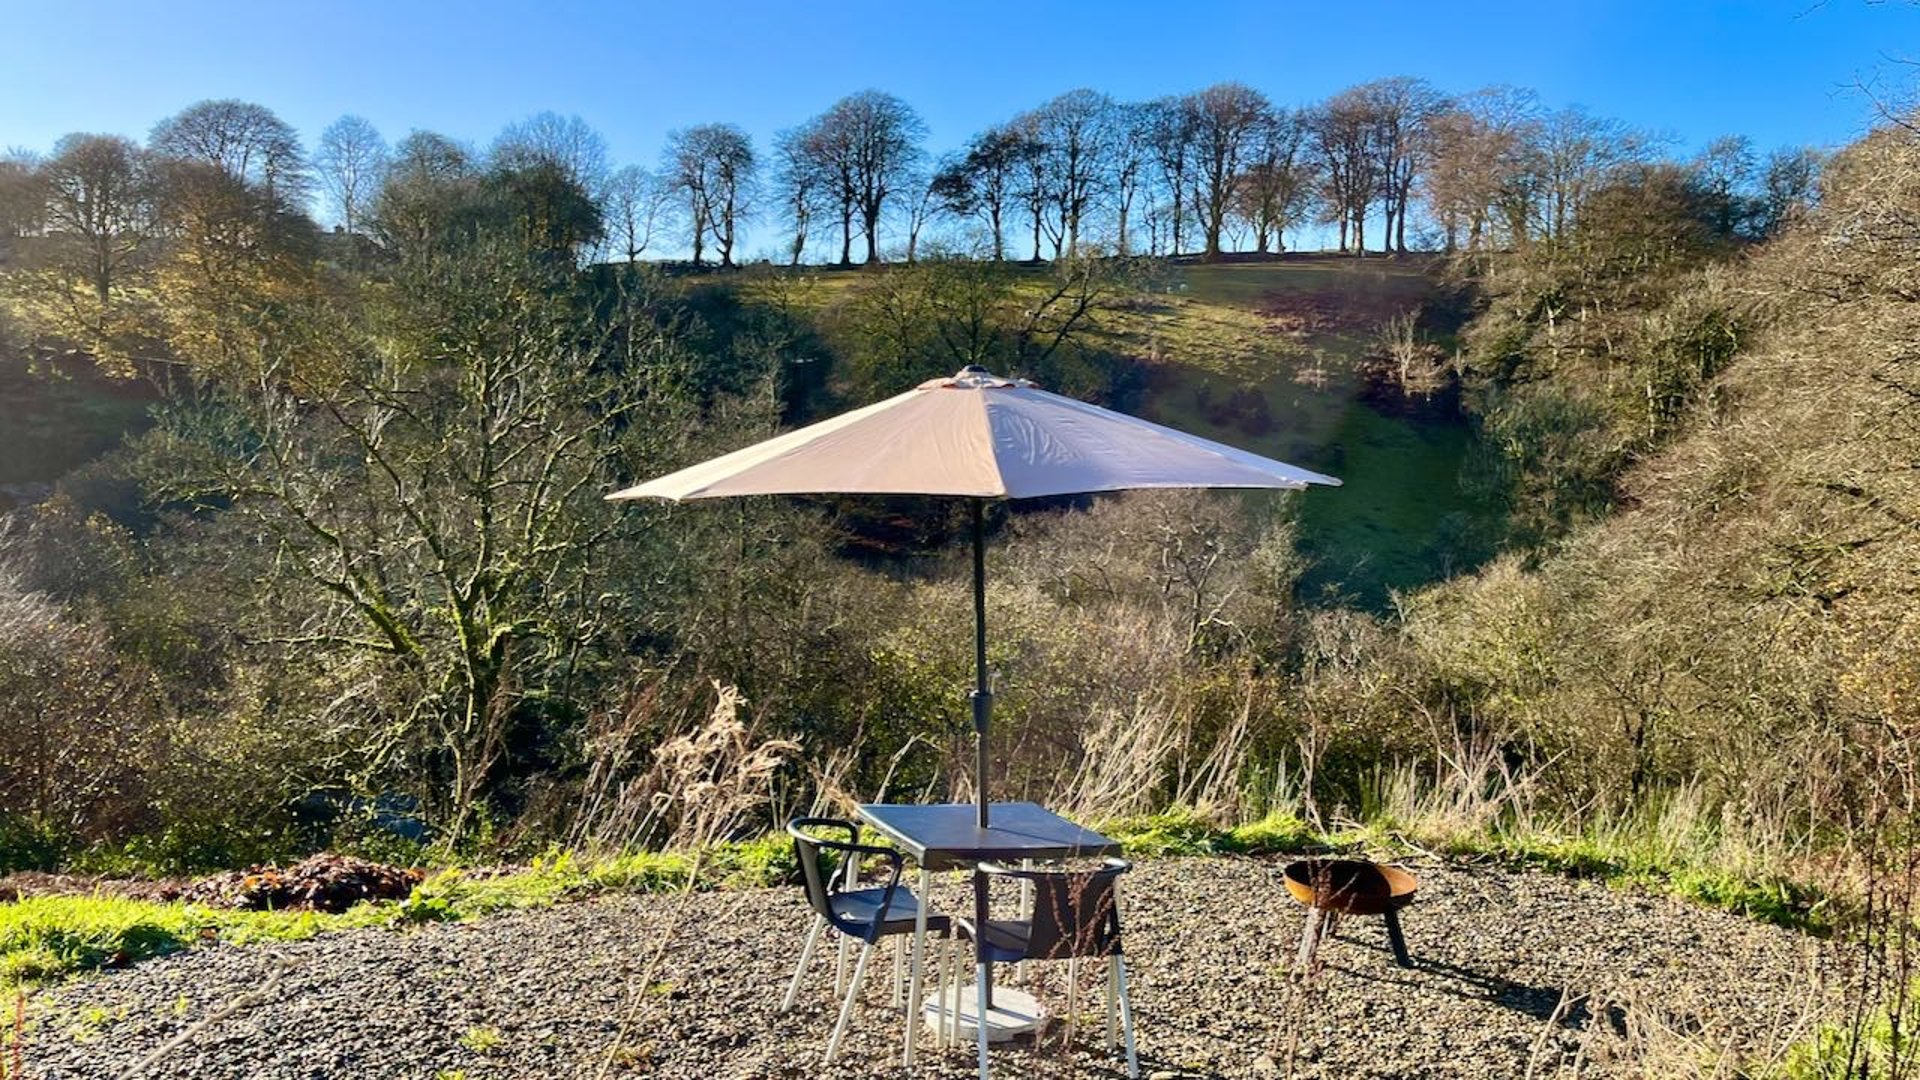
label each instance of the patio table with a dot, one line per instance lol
(944, 835)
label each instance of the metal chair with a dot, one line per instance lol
(1075, 915)
(859, 914)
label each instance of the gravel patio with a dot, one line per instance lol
(1520, 975)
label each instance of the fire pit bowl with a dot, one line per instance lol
(1350, 886)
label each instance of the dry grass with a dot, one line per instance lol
(700, 786)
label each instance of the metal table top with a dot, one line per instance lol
(948, 834)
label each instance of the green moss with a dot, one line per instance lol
(47, 938)
(1274, 834)
(1180, 831)
(1636, 862)
(1188, 832)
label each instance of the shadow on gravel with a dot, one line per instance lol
(1542, 1003)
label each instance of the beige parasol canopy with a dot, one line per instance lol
(981, 436)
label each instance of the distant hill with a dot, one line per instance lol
(1267, 354)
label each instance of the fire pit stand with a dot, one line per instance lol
(1330, 888)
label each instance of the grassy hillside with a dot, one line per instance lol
(59, 414)
(1268, 356)
(1265, 355)
(1262, 355)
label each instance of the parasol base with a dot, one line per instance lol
(1013, 1013)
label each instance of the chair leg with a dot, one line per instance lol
(980, 1018)
(806, 957)
(1126, 1016)
(1113, 998)
(840, 969)
(1073, 995)
(846, 1007)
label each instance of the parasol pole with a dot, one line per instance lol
(982, 696)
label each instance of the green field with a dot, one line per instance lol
(58, 415)
(1286, 383)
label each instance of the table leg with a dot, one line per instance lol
(980, 1018)
(980, 939)
(952, 975)
(983, 971)
(918, 966)
(899, 966)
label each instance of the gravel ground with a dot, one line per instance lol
(1518, 975)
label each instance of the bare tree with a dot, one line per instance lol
(1402, 110)
(1343, 141)
(635, 200)
(866, 144)
(1128, 155)
(712, 168)
(245, 141)
(1480, 177)
(1277, 183)
(431, 515)
(1073, 133)
(1725, 171)
(1576, 152)
(566, 141)
(1032, 184)
(984, 182)
(427, 182)
(23, 198)
(1225, 119)
(800, 186)
(99, 206)
(1789, 187)
(1170, 122)
(917, 192)
(350, 162)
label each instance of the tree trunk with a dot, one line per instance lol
(1120, 244)
(846, 235)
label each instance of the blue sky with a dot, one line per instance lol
(1781, 73)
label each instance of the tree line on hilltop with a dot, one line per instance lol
(1205, 173)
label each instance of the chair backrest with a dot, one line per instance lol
(1075, 912)
(821, 883)
(824, 884)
